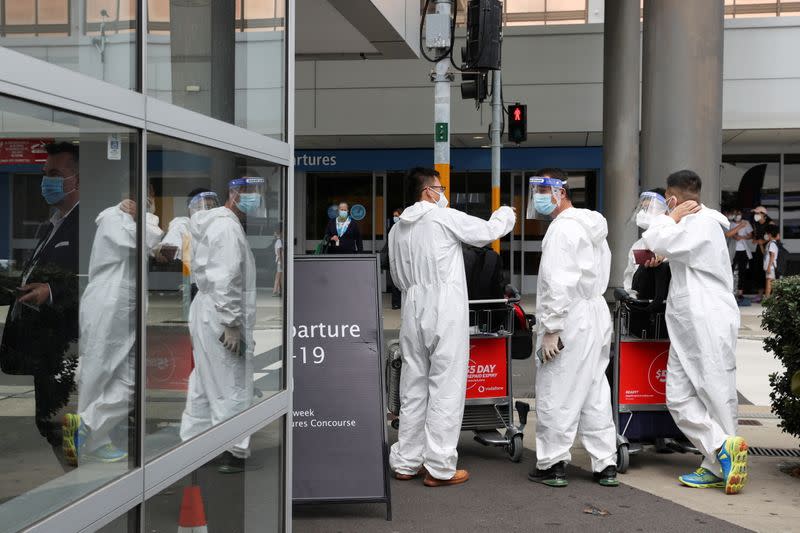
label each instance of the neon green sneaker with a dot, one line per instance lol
(73, 436)
(733, 459)
(702, 479)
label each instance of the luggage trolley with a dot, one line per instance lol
(488, 406)
(639, 378)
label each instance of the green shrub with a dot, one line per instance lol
(782, 319)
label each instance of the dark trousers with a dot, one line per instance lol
(51, 395)
(396, 297)
(757, 274)
(741, 264)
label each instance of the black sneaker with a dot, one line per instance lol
(555, 476)
(230, 464)
(608, 477)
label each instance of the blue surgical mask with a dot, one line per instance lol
(396, 219)
(53, 189)
(249, 202)
(543, 202)
(342, 214)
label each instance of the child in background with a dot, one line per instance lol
(771, 256)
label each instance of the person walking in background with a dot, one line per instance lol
(771, 236)
(761, 222)
(741, 233)
(342, 233)
(396, 294)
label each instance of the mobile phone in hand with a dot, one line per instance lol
(539, 351)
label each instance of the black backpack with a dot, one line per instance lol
(781, 261)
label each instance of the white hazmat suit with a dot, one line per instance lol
(178, 232)
(703, 323)
(224, 268)
(105, 375)
(572, 391)
(427, 265)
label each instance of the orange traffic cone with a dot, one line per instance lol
(193, 515)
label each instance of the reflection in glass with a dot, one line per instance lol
(50, 30)
(214, 325)
(66, 399)
(248, 498)
(225, 60)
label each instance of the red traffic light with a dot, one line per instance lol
(518, 123)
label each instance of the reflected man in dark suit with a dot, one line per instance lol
(41, 330)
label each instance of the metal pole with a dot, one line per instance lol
(682, 92)
(620, 129)
(497, 143)
(442, 77)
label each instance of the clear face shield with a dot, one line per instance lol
(203, 201)
(248, 194)
(544, 196)
(651, 204)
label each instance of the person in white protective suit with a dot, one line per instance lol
(106, 373)
(572, 392)
(703, 323)
(222, 316)
(179, 230)
(651, 204)
(427, 265)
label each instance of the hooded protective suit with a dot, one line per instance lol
(224, 268)
(106, 373)
(572, 391)
(178, 231)
(703, 322)
(427, 264)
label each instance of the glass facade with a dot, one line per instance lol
(222, 59)
(68, 306)
(143, 245)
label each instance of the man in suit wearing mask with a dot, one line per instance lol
(41, 329)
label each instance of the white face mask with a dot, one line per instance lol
(737, 218)
(442, 201)
(396, 219)
(643, 220)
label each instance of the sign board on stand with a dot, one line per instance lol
(339, 440)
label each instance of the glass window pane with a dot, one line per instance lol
(524, 6)
(201, 60)
(109, 54)
(158, 10)
(53, 11)
(21, 12)
(566, 5)
(791, 200)
(226, 494)
(214, 278)
(68, 242)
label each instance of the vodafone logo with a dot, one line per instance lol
(657, 373)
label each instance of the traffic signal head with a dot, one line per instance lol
(474, 85)
(484, 22)
(517, 123)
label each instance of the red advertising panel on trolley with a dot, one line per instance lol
(643, 372)
(487, 375)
